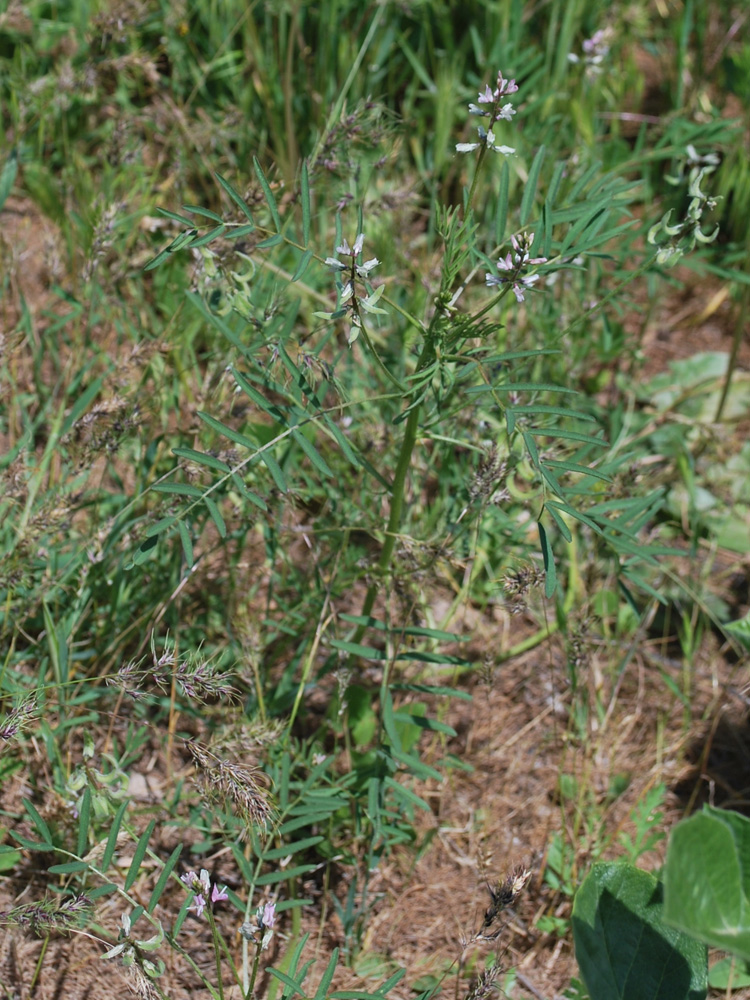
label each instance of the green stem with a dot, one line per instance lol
(217, 948)
(254, 973)
(394, 519)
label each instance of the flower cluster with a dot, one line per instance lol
(595, 51)
(261, 930)
(496, 111)
(201, 886)
(349, 302)
(346, 251)
(514, 264)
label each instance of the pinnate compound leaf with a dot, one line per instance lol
(624, 948)
(707, 879)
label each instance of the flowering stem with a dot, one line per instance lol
(254, 973)
(397, 496)
(217, 949)
(477, 171)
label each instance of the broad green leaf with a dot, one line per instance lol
(707, 879)
(138, 856)
(624, 948)
(239, 202)
(729, 974)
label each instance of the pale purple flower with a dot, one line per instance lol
(218, 893)
(512, 266)
(267, 915)
(201, 886)
(497, 112)
(346, 251)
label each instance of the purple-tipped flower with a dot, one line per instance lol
(496, 111)
(513, 265)
(267, 915)
(201, 886)
(218, 893)
(346, 251)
